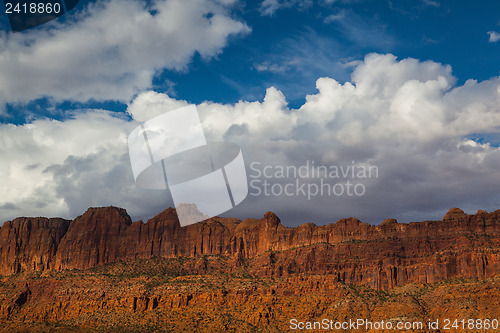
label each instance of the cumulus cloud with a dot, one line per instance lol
(428, 137)
(60, 168)
(28, 151)
(407, 117)
(494, 36)
(112, 49)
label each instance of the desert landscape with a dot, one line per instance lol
(315, 154)
(104, 273)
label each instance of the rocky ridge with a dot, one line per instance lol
(383, 256)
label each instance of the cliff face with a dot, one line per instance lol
(30, 244)
(383, 257)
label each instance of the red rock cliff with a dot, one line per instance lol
(383, 256)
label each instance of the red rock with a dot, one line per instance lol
(30, 244)
(385, 256)
(389, 222)
(455, 214)
(93, 238)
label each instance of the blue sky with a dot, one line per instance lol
(409, 86)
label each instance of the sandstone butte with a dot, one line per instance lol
(382, 257)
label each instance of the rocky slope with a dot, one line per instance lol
(384, 256)
(162, 295)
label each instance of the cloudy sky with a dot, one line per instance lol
(411, 87)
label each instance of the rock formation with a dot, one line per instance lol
(384, 256)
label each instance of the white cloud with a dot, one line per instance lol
(431, 3)
(269, 7)
(151, 104)
(112, 49)
(28, 150)
(407, 117)
(335, 17)
(494, 36)
(267, 66)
